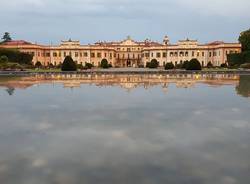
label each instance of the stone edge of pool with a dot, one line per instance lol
(114, 72)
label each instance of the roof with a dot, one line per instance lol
(216, 43)
(17, 42)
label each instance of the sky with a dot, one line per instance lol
(47, 21)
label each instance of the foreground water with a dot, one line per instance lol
(125, 129)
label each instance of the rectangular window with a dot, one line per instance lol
(92, 55)
(64, 54)
(76, 54)
(202, 54)
(47, 54)
(85, 54)
(158, 54)
(54, 54)
(99, 55)
(164, 54)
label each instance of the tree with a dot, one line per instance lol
(38, 64)
(104, 63)
(68, 64)
(6, 37)
(194, 64)
(244, 39)
(169, 66)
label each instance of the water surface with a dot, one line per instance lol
(153, 129)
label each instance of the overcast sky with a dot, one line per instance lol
(47, 21)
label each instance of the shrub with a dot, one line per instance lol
(51, 65)
(210, 65)
(104, 63)
(153, 64)
(59, 65)
(88, 66)
(194, 64)
(245, 65)
(80, 67)
(169, 66)
(4, 59)
(178, 66)
(185, 64)
(223, 65)
(69, 64)
(38, 64)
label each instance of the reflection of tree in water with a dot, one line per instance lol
(10, 91)
(243, 88)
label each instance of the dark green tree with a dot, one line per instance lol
(6, 37)
(194, 64)
(169, 66)
(104, 63)
(244, 39)
(68, 64)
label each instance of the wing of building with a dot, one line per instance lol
(128, 53)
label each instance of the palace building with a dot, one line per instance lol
(128, 53)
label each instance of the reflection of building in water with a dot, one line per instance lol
(128, 82)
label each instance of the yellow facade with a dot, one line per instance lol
(128, 53)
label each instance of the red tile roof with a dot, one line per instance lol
(216, 43)
(17, 42)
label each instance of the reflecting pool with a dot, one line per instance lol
(125, 129)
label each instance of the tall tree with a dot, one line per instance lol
(6, 37)
(68, 64)
(244, 39)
